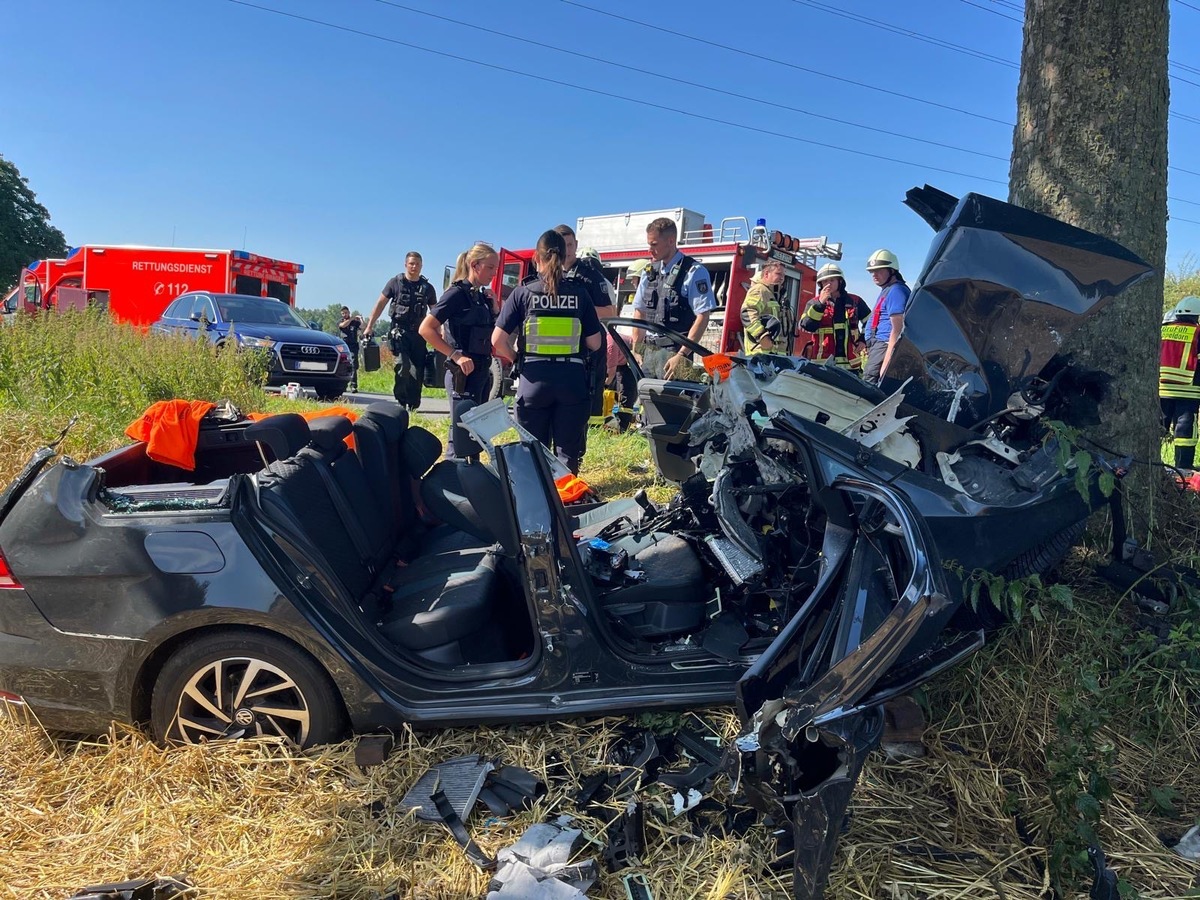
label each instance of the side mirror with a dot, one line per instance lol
(314, 326)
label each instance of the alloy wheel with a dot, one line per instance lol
(240, 697)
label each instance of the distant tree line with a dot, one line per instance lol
(1183, 282)
(25, 230)
(327, 318)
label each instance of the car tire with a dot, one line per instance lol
(194, 695)
(1041, 560)
(496, 387)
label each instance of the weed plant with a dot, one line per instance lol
(84, 364)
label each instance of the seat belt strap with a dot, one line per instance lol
(451, 820)
(351, 524)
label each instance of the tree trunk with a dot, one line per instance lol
(1090, 148)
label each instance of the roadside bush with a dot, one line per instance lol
(84, 364)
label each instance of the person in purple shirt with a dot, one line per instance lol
(886, 323)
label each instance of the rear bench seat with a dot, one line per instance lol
(425, 603)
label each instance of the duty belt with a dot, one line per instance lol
(660, 340)
(557, 359)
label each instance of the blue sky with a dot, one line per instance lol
(210, 123)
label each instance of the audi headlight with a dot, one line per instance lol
(245, 340)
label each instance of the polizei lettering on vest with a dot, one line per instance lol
(545, 301)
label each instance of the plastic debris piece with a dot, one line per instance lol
(539, 865)
(169, 888)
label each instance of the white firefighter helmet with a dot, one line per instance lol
(588, 253)
(1188, 306)
(637, 268)
(829, 270)
(883, 259)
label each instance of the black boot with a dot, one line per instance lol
(1185, 457)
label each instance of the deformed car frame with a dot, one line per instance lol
(809, 569)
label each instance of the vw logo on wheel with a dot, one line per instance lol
(244, 717)
(310, 350)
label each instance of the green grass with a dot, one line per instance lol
(85, 365)
(1087, 719)
(381, 380)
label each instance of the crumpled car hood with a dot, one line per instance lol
(1001, 290)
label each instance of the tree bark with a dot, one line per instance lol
(1090, 148)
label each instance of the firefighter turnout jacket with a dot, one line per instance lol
(836, 325)
(760, 305)
(1177, 360)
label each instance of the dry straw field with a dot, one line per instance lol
(1074, 724)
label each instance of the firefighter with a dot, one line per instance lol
(886, 323)
(465, 309)
(556, 329)
(1178, 380)
(761, 316)
(676, 291)
(836, 318)
(409, 297)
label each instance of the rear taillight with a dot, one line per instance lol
(7, 579)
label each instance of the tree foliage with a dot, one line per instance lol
(1183, 282)
(25, 230)
(327, 319)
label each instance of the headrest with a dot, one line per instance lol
(329, 431)
(286, 434)
(391, 418)
(419, 450)
(465, 446)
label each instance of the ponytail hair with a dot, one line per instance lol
(460, 267)
(551, 248)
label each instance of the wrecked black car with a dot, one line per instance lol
(810, 568)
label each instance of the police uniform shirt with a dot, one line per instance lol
(530, 297)
(399, 287)
(696, 290)
(456, 303)
(350, 331)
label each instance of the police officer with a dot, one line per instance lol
(465, 309)
(676, 291)
(555, 326)
(1178, 380)
(410, 297)
(761, 317)
(350, 326)
(886, 323)
(586, 267)
(836, 318)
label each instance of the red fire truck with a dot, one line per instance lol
(730, 250)
(136, 283)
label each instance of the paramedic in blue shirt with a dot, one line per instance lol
(676, 291)
(886, 323)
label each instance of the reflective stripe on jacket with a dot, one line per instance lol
(553, 335)
(760, 303)
(836, 339)
(1177, 361)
